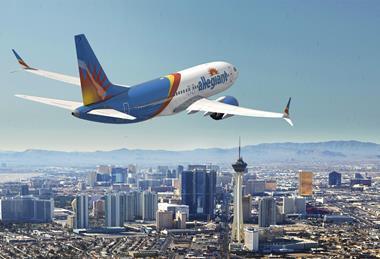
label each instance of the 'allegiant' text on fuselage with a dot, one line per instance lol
(213, 81)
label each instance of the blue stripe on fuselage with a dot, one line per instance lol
(139, 99)
(140, 96)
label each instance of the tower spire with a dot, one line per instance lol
(238, 225)
(239, 147)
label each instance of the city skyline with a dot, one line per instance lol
(324, 56)
(142, 211)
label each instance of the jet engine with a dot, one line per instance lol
(227, 100)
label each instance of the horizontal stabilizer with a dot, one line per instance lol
(72, 106)
(112, 113)
(52, 75)
(55, 76)
(68, 105)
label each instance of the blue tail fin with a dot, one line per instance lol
(96, 86)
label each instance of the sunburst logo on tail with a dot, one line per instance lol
(94, 84)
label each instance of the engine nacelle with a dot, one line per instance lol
(227, 100)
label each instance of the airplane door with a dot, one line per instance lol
(126, 108)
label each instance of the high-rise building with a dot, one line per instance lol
(91, 179)
(288, 205)
(26, 209)
(145, 184)
(138, 204)
(45, 193)
(181, 219)
(149, 205)
(80, 207)
(115, 209)
(174, 208)
(119, 175)
(197, 167)
(367, 182)
(98, 208)
(70, 221)
(280, 217)
(300, 205)
(132, 180)
(103, 173)
(132, 170)
(247, 208)
(238, 224)
(205, 201)
(24, 189)
(293, 205)
(130, 206)
(335, 179)
(176, 184)
(359, 179)
(103, 169)
(358, 176)
(179, 171)
(267, 212)
(249, 176)
(132, 176)
(171, 173)
(187, 189)
(164, 219)
(198, 192)
(251, 239)
(254, 187)
(81, 186)
(103, 178)
(162, 169)
(212, 167)
(305, 187)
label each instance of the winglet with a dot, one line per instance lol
(21, 61)
(286, 115)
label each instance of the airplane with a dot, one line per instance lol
(187, 89)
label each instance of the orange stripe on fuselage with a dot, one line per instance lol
(174, 83)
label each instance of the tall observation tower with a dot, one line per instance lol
(237, 225)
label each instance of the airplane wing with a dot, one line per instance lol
(52, 75)
(209, 106)
(70, 105)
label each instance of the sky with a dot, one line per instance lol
(324, 54)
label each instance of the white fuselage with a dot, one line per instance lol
(201, 81)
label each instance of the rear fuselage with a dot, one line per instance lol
(166, 95)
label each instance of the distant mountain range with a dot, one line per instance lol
(329, 151)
